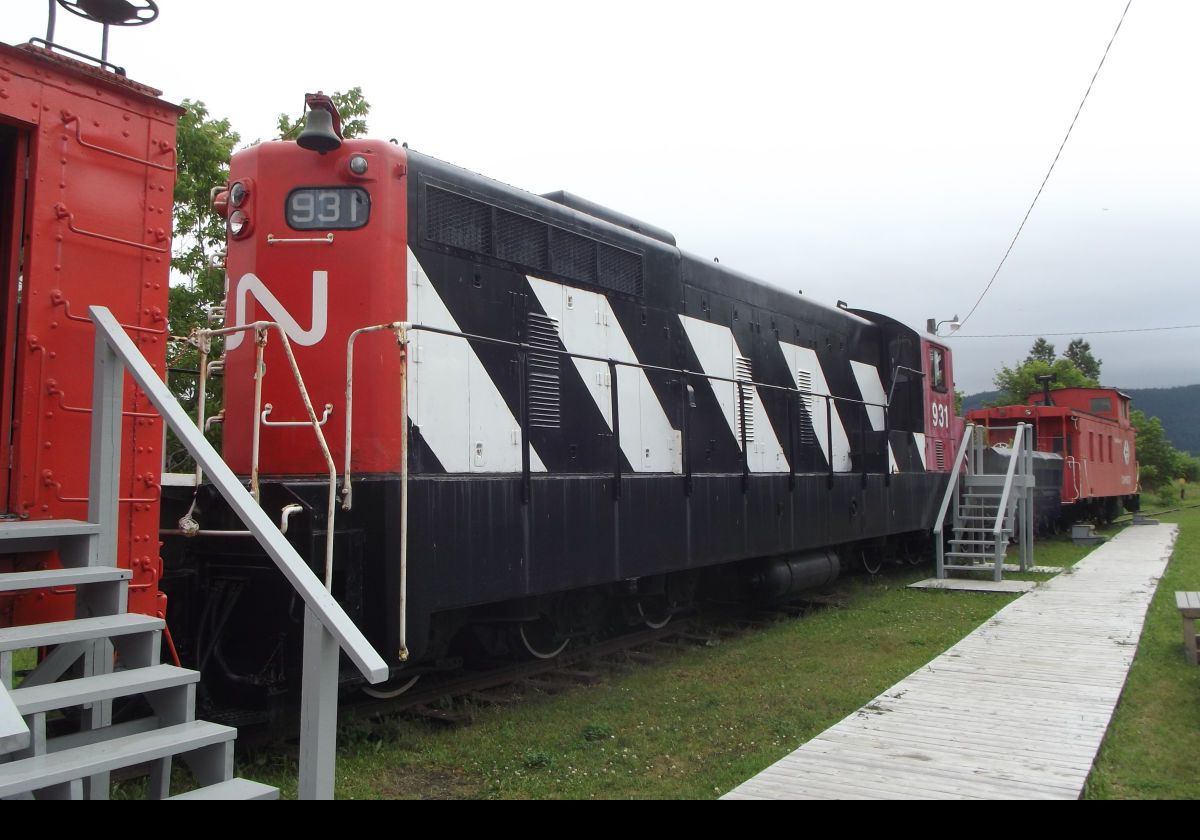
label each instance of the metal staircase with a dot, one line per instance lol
(989, 509)
(104, 654)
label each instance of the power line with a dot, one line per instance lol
(1066, 137)
(1081, 333)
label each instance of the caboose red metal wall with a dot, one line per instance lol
(87, 175)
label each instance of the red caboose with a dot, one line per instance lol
(87, 174)
(1089, 429)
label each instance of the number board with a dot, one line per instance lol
(328, 208)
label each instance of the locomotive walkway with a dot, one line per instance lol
(1017, 709)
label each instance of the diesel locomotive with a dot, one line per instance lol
(533, 411)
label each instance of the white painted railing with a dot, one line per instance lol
(327, 628)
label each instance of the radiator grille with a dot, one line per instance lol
(534, 246)
(458, 221)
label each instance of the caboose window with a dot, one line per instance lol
(328, 208)
(1101, 405)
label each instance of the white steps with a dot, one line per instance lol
(77, 630)
(42, 759)
(44, 771)
(61, 695)
(46, 578)
(236, 788)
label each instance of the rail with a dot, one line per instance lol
(327, 628)
(952, 486)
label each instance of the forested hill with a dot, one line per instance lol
(1177, 408)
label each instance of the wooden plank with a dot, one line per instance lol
(1018, 709)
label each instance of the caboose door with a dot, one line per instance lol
(14, 150)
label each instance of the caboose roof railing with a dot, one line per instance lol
(326, 627)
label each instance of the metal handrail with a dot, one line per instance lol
(955, 473)
(327, 627)
(1002, 508)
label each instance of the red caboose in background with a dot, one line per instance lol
(1089, 429)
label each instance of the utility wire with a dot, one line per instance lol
(1081, 333)
(1079, 110)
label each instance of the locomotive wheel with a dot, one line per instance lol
(655, 612)
(540, 638)
(391, 689)
(910, 555)
(872, 563)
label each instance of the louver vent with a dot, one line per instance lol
(544, 393)
(804, 382)
(744, 372)
(939, 454)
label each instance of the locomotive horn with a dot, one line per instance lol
(322, 125)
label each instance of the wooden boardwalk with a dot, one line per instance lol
(1017, 709)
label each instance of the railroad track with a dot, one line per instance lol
(452, 699)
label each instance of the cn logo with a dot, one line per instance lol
(251, 285)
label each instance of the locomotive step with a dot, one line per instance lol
(47, 578)
(62, 695)
(77, 630)
(235, 788)
(43, 771)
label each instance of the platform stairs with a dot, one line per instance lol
(987, 510)
(105, 654)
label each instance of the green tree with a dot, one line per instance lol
(1042, 351)
(205, 145)
(1080, 354)
(1159, 463)
(1016, 384)
(353, 107)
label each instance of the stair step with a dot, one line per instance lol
(77, 630)
(57, 768)
(970, 555)
(235, 788)
(46, 578)
(45, 528)
(948, 567)
(62, 695)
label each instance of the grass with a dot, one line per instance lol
(1152, 744)
(692, 727)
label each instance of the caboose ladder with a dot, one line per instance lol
(989, 509)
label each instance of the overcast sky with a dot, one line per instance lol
(880, 153)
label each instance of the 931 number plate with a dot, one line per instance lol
(328, 208)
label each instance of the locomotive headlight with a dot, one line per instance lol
(358, 165)
(239, 223)
(238, 193)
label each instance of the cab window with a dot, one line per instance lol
(937, 368)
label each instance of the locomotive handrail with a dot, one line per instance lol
(260, 332)
(327, 627)
(518, 345)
